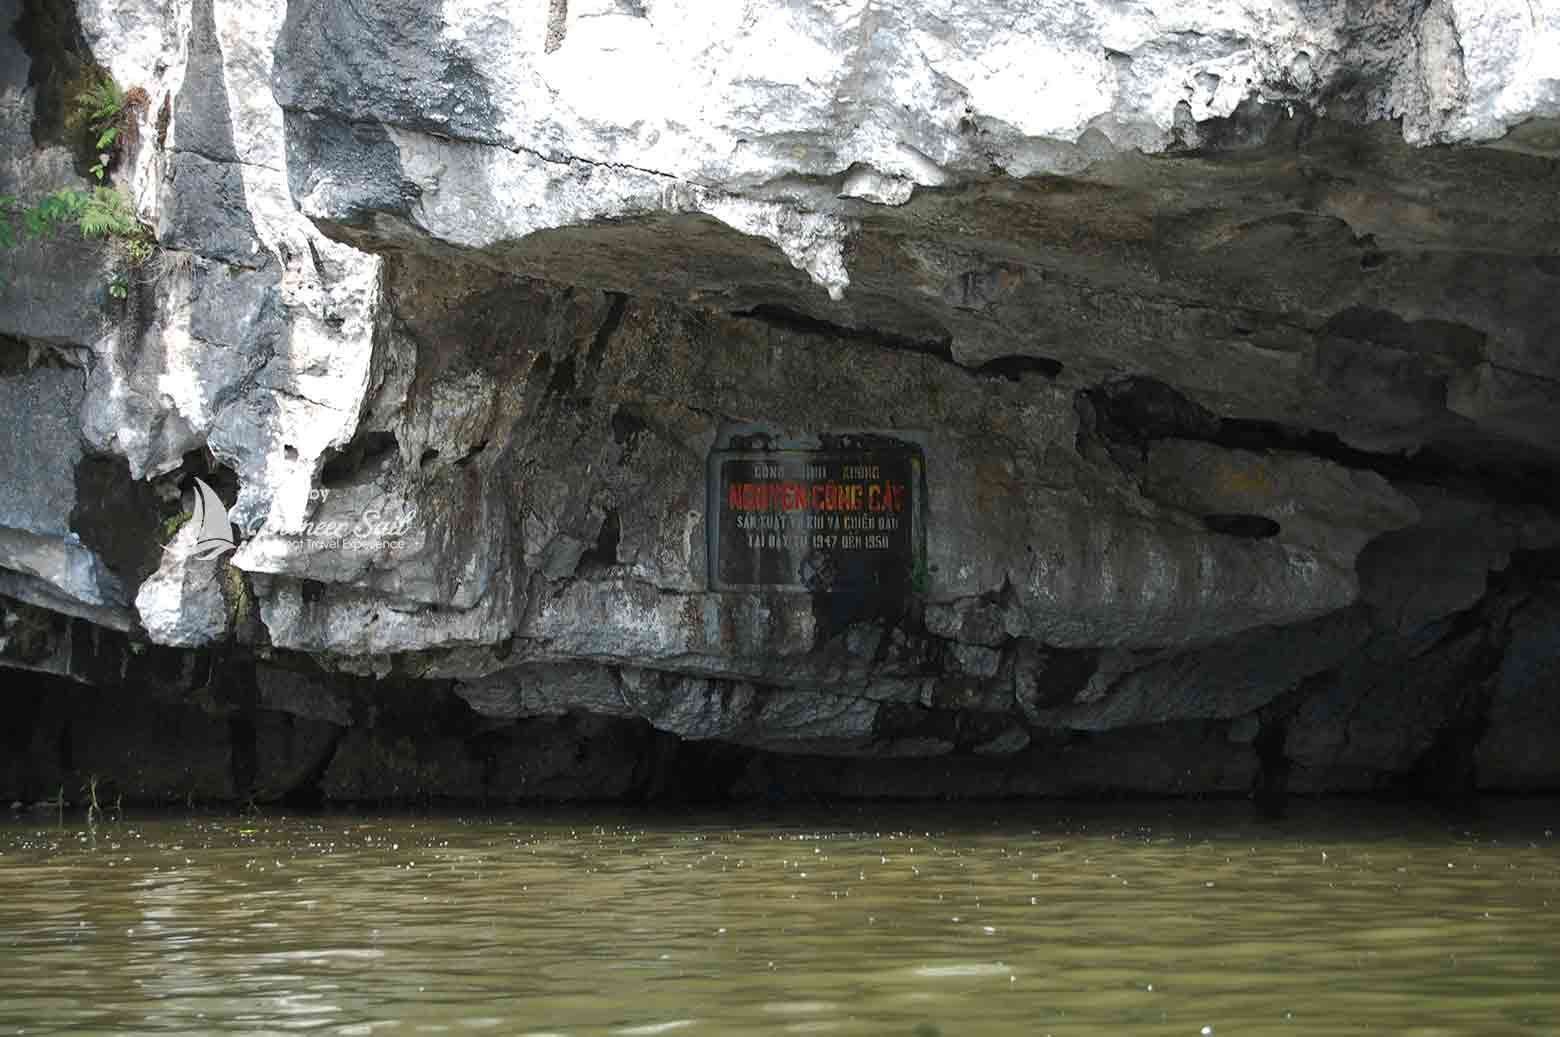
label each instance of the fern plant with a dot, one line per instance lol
(101, 110)
(99, 106)
(63, 206)
(103, 212)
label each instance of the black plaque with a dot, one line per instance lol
(815, 520)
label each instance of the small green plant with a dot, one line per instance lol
(103, 212)
(42, 219)
(100, 108)
(139, 249)
(172, 525)
(236, 593)
(106, 117)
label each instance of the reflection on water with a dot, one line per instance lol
(994, 919)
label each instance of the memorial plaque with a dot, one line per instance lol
(815, 520)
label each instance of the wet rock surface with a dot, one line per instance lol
(1229, 356)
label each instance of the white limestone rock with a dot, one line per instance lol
(181, 603)
(869, 185)
(261, 341)
(504, 124)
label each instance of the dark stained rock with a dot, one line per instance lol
(577, 757)
(288, 754)
(1223, 681)
(1369, 723)
(384, 766)
(1517, 750)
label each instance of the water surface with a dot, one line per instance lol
(985, 920)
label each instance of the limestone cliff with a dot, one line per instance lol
(1224, 338)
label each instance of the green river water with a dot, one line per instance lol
(990, 919)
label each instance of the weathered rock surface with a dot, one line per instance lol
(1514, 752)
(182, 602)
(1227, 339)
(42, 560)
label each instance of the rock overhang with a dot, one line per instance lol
(1230, 274)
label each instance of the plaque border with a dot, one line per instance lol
(887, 444)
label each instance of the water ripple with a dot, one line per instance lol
(915, 924)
